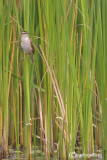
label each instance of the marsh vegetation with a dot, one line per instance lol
(58, 104)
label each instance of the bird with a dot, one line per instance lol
(27, 45)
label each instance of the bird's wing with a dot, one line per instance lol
(33, 50)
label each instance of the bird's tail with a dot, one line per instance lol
(31, 56)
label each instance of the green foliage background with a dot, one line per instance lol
(59, 102)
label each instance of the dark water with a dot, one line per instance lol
(13, 154)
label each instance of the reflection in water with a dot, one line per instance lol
(36, 154)
(21, 154)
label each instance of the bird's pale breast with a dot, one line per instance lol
(25, 44)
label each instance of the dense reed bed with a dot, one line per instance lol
(59, 102)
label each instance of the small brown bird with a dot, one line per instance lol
(27, 44)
